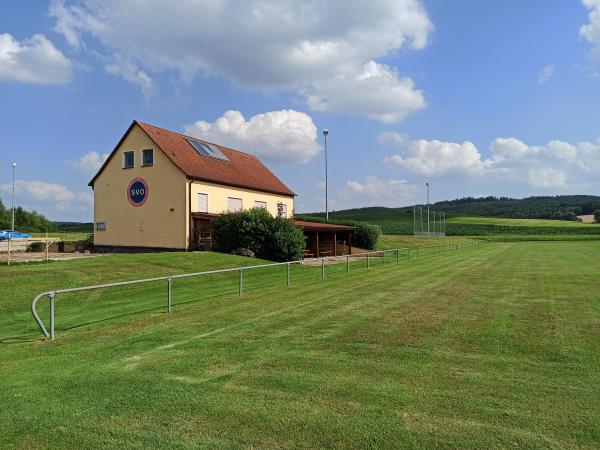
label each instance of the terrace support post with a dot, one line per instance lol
(323, 268)
(169, 282)
(334, 243)
(347, 263)
(241, 282)
(52, 297)
(318, 252)
(349, 242)
(288, 275)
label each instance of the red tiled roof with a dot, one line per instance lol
(314, 226)
(241, 170)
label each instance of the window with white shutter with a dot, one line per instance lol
(234, 204)
(259, 204)
(203, 203)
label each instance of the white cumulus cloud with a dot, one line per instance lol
(591, 30)
(55, 200)
(40, 190)
(88, 163)
(306, 47)
(551, 166)
(375, 91)
(34, 60)
(435, 157)
(381, 192)
(285, 136)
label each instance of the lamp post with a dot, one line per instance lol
(325, 133)
(13, 196)
(427, 184)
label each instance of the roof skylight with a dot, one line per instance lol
(205, 149)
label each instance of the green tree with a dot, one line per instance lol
(257, 230)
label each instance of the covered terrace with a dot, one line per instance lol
(326, 239)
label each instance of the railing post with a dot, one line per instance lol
(288, 274)
(347, 263)
(241, 282)
(169, 282)
(51, 297)
(323, 268)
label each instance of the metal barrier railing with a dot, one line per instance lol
(417, 252)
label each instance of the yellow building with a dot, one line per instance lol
(159, 189)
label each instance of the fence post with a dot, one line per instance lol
(397, 256)
(383, 259)
(347, 263)
(46, 246)
(322, 267)
(241, 282)
(51, 297)
(288, 275)
(169, 281)
(368, 263)
(9, 239)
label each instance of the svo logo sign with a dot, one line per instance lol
(137, 191)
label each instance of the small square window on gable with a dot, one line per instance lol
(147, 157)
(128, 159)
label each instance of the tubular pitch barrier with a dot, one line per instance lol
(52, 295)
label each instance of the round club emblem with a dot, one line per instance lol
(137, 191)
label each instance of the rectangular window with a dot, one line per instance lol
(100, 226)
(148, 157)
(203, 203)
(234, 204)
(282, 210)
(259, 204)
(128, 158)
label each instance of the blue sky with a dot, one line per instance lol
(479, 98)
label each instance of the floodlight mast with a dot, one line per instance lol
(13, 196)
(427, 184)
(325, 133)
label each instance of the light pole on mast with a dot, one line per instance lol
(325, 133)
(13, 196)
(427, 184)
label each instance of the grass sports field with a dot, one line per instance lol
(491, 346)
(402, 223)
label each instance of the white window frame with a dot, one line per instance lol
(100, 226)
(198, 201)
(235, 210)
(260, 204)
(125, 155)
(142, 160)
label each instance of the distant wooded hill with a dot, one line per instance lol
(561, 207)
